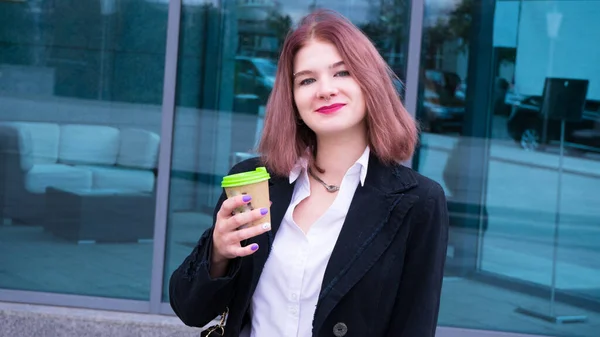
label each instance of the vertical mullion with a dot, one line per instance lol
(164, 159)
(411, 95)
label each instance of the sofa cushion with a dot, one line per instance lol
(41, 143)
(121, 178)
(57, 175)
(15, 143)
(88, 144)
(138, 148)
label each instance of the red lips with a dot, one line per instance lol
(330, 108)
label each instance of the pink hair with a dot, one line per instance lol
(392, 132)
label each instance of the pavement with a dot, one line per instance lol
(521, 198)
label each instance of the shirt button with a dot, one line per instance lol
(294, 296)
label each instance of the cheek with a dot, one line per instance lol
(356, 92)
(302, 99)
(300, 103)
(360, 98)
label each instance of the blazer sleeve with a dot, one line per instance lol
(195, 297)
(417, 304)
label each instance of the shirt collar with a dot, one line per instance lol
(363, 162)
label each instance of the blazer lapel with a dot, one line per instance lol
(366, 232)
(280, 193)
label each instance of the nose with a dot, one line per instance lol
(326, 90)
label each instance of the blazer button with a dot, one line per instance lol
(340, 330)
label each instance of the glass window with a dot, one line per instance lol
(227, 65)
(80, 111)
(509, 103)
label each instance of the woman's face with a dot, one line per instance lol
(328, 97)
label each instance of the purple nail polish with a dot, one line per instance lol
(254, 247)
(246, 198)
(264, 211)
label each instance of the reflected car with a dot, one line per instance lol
(528, 127)
(255, 76)
(443, 115)
(443, 106)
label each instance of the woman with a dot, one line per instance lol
(357, 242)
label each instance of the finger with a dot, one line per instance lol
(249, 232)
(245, 251)
(241, 219)
(230, 204)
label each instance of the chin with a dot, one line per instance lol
(333, 130)
(334, 126)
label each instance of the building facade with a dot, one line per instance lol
(118, 119)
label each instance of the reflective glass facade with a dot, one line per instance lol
(118, 119)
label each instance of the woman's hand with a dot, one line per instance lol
(227, 236)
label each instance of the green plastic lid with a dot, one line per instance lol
(246, 178)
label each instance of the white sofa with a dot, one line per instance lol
(35, 156)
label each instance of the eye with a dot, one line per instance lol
(307, 81)
(343, 73)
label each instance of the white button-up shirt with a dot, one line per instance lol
(286, 296)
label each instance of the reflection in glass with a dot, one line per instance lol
(80, 93)
(497, 155)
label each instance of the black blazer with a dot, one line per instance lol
(384, 276)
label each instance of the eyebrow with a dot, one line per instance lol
(306, 72)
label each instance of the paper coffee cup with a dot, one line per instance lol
(254, 183)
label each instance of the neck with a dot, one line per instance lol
(336, 154)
